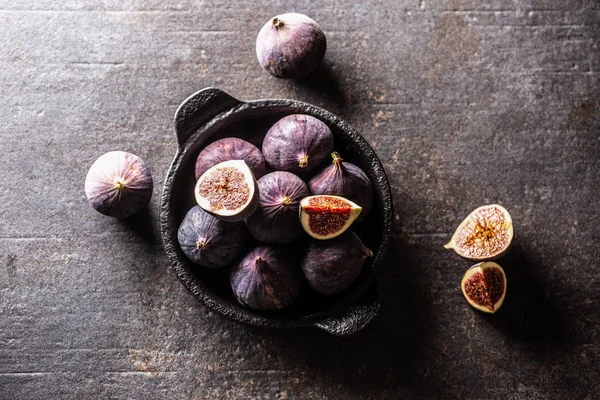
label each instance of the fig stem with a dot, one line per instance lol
(369, 253)
(336, 157)
(277, 23)
(200, 244)
(303, 162)
(119, 185)
(286, 201)
(259, 261)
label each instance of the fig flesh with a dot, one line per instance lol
(298, 144)
(209, 241)
(344, 179)
(290, 46)
(275, 221)
(325, 217)
(331, 267)
(231, 149)
(118, 184)
(486, 234)
(228, 190)
(267, 279)
(484, 286)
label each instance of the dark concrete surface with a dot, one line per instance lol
(467, 102)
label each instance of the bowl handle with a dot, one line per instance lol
(200, 108)
(353, 320)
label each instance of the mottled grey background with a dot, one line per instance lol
(466, 102)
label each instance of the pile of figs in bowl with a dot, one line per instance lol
(258, 223)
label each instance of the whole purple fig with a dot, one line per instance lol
(209, 241)
(344, 179)
(330, 266)
(231, 149)
(266, 279)
(298, 144)
(118, 184)
(290, 46)
(276, 220)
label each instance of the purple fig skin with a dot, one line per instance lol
(118, 184)
(209, 241)
(331, 266)
(276, 221)
(298, 143)
(344, 179)
(231, 149)
(267, 279)
(290, 46)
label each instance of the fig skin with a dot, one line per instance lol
(331, 266)
(298, 143)
(225, 182)
(118, 184)
(344, 179)
(231, 149)
(209, 241)
(275, 221)
(267, 279)
(290, 46)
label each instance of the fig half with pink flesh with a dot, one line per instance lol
(484, 286)
(486, 234)
(325, 217)
(228, 190)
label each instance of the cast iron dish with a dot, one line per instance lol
(211, 114)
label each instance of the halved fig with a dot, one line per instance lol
(484, 286)
(325, 217)
(228, 190)
(486, 234)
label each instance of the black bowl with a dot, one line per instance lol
(211, 114)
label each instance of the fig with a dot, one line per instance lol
(231, 149)
(209, 241)
(118, 184)
(325, 217)
(486, 234)
(228, 190)
(266, 279)
(276, 220)
(298, 144)
(484, 286)
(344, 179)
(331, 267)
(290, 46)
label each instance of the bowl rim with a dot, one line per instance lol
(203, 293)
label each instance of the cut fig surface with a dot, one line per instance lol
(484, 286)
(228, 190)
(325, 217)
(486, 234)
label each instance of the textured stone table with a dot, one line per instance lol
(467, 102)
